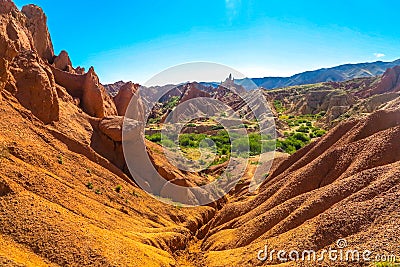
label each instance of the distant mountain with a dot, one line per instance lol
(336, 74)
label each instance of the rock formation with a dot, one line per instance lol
(87, 88)
(63, 62)
(35, 86)
(390, 82)
(24, 42)
(124, 97)
(191, 91)
(36, 23)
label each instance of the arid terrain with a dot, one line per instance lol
(67, 197)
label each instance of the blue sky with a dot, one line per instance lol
(134, 40)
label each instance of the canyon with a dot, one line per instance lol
(67, 197)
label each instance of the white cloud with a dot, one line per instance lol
(379, 55)
(232, 7)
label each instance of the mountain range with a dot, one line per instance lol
(336, 74)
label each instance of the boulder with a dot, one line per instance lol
(112, 127)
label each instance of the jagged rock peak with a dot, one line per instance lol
(37, 25)
(6, 6)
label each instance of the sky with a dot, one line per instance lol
(135, 40)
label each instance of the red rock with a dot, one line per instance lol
(112, 127)
(390, 82)
(192, 92)
(6, 6)
(124, 97)
(35, 86)
(93, 98)
(62, 61)
(36, 24)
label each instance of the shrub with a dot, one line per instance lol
(89, 185)
(293, 143)
(154, 137)
(301, 136)
(118, 188)
(319, 133)
(217, 127)
(173, 102)
(303, 129)
(167, 143)
(60, 159)
(154, 120)
(278, 106)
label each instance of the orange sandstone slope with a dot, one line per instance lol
(345, 185)
(61, 162)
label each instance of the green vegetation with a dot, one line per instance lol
(217, 127)
(279, 106)
(118, 188)
(60, 159)
(154, 120)
(173, 102)
(302, 130)
(386, 264)
(156, 138)
(89, 185)
(254, 142)
(98, 192)
(293, 142)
